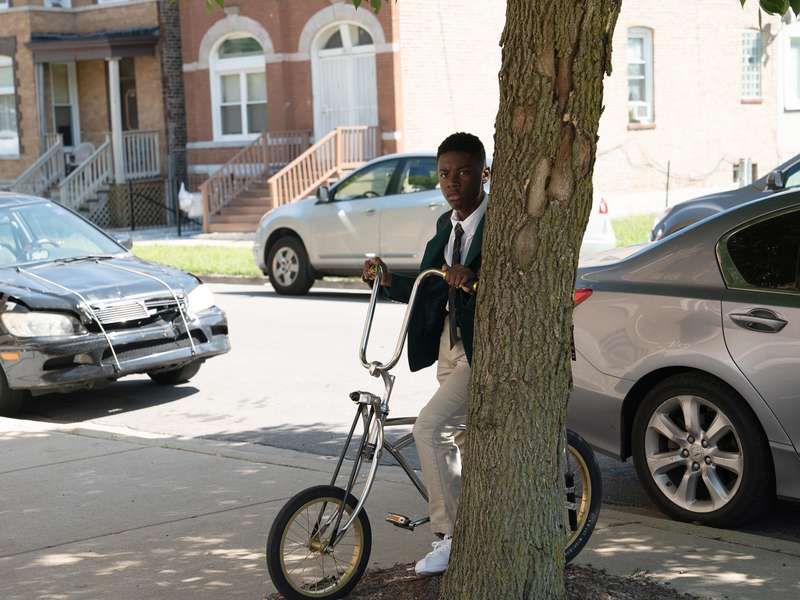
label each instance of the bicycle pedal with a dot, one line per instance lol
(398, 520)
(404, 522)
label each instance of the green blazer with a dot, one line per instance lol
(427, 320)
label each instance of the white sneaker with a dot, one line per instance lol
(436, 560)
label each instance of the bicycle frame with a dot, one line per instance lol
(373, 412)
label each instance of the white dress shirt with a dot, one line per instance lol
(470, 226)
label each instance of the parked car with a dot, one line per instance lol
(77, 309)
(687, 355)
(388, 208)
(783, 177)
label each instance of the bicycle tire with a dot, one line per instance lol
(591, 472)
(279, 534)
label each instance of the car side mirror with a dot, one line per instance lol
(775, 180)
(323, 194)
(125, 241)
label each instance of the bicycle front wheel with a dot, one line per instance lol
(300, 560)
(584, 493)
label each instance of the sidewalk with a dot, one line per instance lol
(102, 513)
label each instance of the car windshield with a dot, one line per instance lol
(45, 231)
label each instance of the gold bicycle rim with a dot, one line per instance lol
(312, 548)
(586, 495)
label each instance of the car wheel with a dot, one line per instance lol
(176, 376)
(288, 267)
(10, 400)
(700, 453)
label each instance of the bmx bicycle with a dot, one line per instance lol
(320, 541)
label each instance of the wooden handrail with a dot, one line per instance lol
(44, 173)
(266, 154)
(344, 148)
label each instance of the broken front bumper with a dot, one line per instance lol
(80, 361)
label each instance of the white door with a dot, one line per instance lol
(344, 79)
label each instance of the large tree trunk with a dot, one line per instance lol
(509, 537)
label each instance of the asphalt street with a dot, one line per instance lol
(286, 382)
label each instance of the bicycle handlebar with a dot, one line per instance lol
(398, 350)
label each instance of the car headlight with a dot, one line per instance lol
(41, 324)
(200, 298)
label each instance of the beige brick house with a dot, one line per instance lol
(82, 97)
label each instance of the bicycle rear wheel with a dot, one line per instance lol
(584, 491)
(300, 563)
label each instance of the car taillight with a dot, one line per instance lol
(581, 294)
(603, 208)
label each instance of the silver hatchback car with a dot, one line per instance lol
(687, 358)
(387, 208)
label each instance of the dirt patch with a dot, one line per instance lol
(583, 583)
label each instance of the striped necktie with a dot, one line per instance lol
(459, 233)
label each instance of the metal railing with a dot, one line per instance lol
(268, 152)
(142, 154)
(43, 174)
(342, 149)
(84, 182)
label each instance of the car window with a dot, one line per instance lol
(419, 175)
(792, 177)
(369, 183)
(765, 255)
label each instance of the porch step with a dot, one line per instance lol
(255, 192)
(246, 209)
(228, 217)
(247, 227)
(251, 201)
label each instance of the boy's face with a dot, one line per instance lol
(461, 177)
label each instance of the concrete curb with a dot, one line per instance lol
(343, 284)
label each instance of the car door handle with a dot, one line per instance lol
(435, 205)
(759, 319)
(371, 212)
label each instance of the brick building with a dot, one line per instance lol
(709, 94)
(82, 99)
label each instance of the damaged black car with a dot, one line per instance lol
(77, 309)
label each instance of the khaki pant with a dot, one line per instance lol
(440, 442)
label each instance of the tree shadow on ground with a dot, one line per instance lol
(315, 438)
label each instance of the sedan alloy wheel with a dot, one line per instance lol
(700, 453)
(694, 453)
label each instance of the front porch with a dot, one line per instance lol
(101, 118)
(280, 168)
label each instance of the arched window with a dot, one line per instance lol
(9, 134)
(238, 88)
(344, 78)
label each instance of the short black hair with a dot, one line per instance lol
(463, 142)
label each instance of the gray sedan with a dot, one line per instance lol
(687, 359)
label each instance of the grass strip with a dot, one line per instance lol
(634, 229)
(200, 259)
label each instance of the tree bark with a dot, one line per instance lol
(509, 535)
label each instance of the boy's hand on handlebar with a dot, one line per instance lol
(459, 276)
(371, 268)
